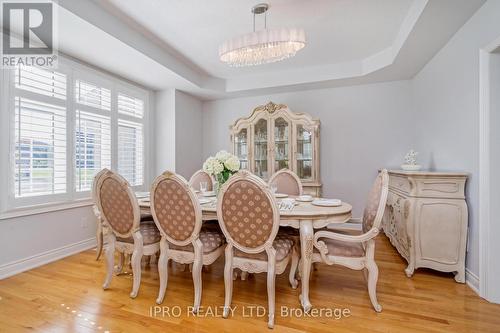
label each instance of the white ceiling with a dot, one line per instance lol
(337, 30)
(174, 43)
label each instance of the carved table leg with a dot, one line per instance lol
(460, 276)
(306, 243)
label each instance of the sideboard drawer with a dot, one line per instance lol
(399, 183)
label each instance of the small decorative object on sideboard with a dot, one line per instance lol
(411, 162)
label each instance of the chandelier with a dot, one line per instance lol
(263, 46)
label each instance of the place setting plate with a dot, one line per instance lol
(204, 200)
(327, 202)
(280, 195)
(304, 198)
(208, 194)
(141, 195)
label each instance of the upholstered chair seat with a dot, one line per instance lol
(282, 244)
(343, 249)
(211, 241)
(149, 232)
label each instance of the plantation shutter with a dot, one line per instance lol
(40, 132)
(130, 151)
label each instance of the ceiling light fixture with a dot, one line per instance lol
(263, 46)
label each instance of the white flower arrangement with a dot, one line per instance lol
(222, 166)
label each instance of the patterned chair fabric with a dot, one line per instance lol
(200, 176)
(174, 209)
(116, 205)
(286, 183)
(149, 232)
(343, 249)
(372, 204)
(211, 241)
(247, 213)
(282, 244)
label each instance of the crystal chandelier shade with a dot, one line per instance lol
(263, 46)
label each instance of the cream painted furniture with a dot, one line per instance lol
(250, 219)
(100, 228)
(122, 217)
(177, 214)
(305, 217)
(201, 176)
(274, 138)
(426, 220)
(358, 251)
(286, 182)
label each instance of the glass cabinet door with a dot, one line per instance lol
(241, 147)
(281, 144)
(260, 148)
(304, 155)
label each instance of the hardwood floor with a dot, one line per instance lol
(66, 296)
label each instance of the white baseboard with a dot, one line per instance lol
(41, 259)
(352, 224)
(472, 281)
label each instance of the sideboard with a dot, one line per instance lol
(426, 220)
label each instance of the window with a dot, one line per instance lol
(66, 125)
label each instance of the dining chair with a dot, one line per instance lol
(286, 182)
(249, 218)
(121, 214)
(201, 176)
(177, 214)
(97, 213)
(357, 251)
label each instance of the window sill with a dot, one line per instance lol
(45, 208)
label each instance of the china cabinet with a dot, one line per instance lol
(273, 138)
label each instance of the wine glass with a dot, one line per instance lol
(203, 187)
(274, 188)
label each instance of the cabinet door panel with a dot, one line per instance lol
(281, 144)
(304, 153)
(240, 146)
(438, 231)
(260, 144)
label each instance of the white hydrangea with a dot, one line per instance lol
(223, 156)
(232, 163)
(213, 166)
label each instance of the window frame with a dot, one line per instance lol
(10, 206)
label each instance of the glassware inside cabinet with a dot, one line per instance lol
(304, 152)
(260, 148)
(281, 144)
(241, 148)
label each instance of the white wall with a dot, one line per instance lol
(363, 128)
(37, 238)
(188, 135)
(446, 96)
(164, 125)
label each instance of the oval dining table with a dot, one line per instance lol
(304, 216)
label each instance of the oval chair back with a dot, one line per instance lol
(198, 177)
(175, 208)
(286, 182)
(247, 213)
(375, 205)
(117, 203)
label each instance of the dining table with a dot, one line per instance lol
(304, 216)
